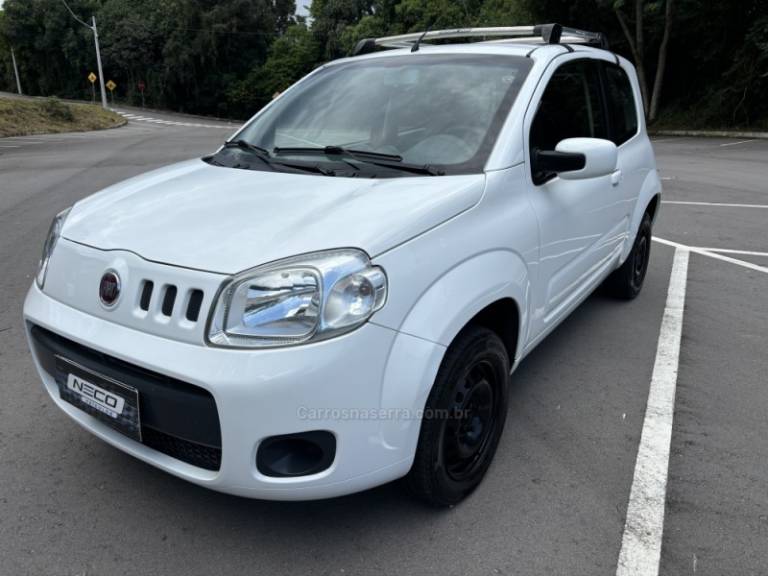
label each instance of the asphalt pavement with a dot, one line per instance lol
(555, 499)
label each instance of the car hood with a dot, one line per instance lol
(226, 220)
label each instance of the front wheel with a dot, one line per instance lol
(627, 281)
(463, 420)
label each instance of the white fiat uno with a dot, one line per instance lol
(338, 296)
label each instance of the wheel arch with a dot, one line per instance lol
(653, 206)
(503, 318)
(648, 199)
(490, 289)
(477, 289)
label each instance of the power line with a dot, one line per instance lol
(212, 30)
(223, 31)
(147, 27)
(75, 15)
(95, 31)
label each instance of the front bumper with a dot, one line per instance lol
(366, 388)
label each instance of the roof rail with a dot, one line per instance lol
(544, 33)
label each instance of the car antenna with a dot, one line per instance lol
(415, 47)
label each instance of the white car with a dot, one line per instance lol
(339, 296)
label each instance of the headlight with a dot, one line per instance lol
(298, 300)
(50, 243)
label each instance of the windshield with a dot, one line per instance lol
(440, 111)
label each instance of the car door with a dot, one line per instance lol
(623, 114)
(582, 222)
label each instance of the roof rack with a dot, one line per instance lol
(543, 33)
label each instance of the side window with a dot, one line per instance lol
(571, 107)
(621, 104)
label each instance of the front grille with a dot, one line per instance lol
(169, 299)
(195, 303)
(167, 295)
(196, 454)
(177, 418)
(146, 294)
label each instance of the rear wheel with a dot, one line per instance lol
(627, 281)
(463, 420)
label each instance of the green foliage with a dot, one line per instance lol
(48, 47)
(330, 19)
(229, 57)
(734, 98)
(188, 53)
(291, 56)
(712, 64)
(54, 109)
(6, 70)
(419, 14)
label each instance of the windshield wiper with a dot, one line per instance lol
(340, 151)
(258, 151)
(424, 169)
(392, 161)
(313, 168)
(264, 155)
(245, 145)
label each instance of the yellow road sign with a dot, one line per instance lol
(92, 77)
(111, 85)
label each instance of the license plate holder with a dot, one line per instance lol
(109, 401)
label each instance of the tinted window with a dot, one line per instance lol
(621, 103)
(570, 107)
(441, 110)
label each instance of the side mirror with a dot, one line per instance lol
(600, 157)
(575, 159)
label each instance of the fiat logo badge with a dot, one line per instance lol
(109, 288)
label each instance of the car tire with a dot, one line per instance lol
(463, 419)
(627, 281)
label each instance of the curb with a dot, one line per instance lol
(123, 122)
(710, 133)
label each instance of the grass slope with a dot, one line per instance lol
(23, 117)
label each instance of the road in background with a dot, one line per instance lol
(555, 499)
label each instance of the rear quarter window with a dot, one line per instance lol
(621, 104)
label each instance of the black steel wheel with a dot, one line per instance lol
(463, 419)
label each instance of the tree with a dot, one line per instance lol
(636, 42)
(700, 63)
(5, 52)
(133, 36)
(291, 56)
(745, 84)
(661, 67)
(57, 52)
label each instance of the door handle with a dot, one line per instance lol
(616, 178)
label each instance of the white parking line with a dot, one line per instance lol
(641, 543)
(731, 251)
(717, 204)
(735, 143)
(714, 255)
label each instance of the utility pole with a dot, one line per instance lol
(98, 62)
(16, 71)
(98, 54)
